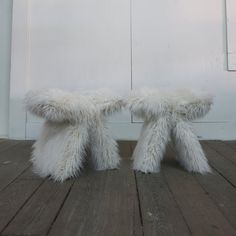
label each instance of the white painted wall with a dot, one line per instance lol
(5, 52)
(163, 43)
(79, 45)
(231, 35)
(73, 45)
(183, 44)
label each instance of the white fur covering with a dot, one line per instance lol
(167, 115)
(72, 122)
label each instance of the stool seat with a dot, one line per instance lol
(153, 103)
(167, 115)
(58, 106)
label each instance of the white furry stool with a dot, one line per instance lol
(73, 121)
(166, 116)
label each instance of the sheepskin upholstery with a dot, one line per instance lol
(72, 122)
(167, 116)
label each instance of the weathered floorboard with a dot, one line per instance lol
(119, 202)
(125, 149)
(101, 203)
(5, 144)
(200, 212)
(160, 213)
(231, 144)
(13, 162)
(15, 195)
(224, 150)
(37, 215)
(221, 192)
(221, 164)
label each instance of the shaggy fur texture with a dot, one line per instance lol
(60, 106)
(167, 115)
(151, 146)
(73, 121)
(104, 149)
(60, 149)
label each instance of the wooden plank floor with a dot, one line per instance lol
(119, 202)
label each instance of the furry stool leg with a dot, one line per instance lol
(151, 147)
(104, 148)
(59, 151)
(189, 150)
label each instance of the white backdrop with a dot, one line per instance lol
(5, 63)
(122, 44)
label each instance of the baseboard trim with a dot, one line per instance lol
(130, 131)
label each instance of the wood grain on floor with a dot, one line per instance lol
(119, 202)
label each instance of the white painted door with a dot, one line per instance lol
(183, 44)
(84, 44)
(231, 33)
(72, 44)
